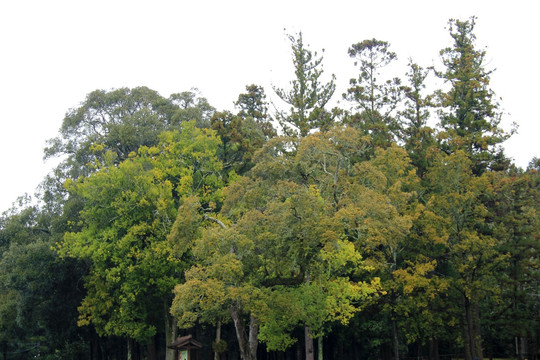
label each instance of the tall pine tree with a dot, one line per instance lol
(470, 114)
(308, 96)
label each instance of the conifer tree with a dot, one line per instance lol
(375, 100)
(417, 136)
(253, 104)
(308, 96)
(470, 115)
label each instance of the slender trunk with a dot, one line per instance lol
(395, 339)
(248, 346)
(468, 331)
(320, 348)
(477, 332)
(240, 332)
(471, 331)
(171, 333)
(253, 336)
(218, 340)
(309, 344)
(130, 349)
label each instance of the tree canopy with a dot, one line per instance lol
(396, 227)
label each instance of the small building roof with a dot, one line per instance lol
(185, 343)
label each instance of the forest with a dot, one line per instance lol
(390, 226)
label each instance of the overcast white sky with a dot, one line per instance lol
(53, 53)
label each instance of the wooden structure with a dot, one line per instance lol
(184, 345)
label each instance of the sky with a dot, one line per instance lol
(53, 53)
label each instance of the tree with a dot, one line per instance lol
(425, 315)
(378, 214)
(38, 291)
(308, 96)
(471, 255)
(127, 215)
(375, 100)
(214, 288)
(322, 161)
(191, 106)
(416, 134)
(120, 121)
(253, 104)
(240, 139)
(513, 216)
(470, 115)
(278, 249)
(123, 238)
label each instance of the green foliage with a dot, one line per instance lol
(456, 200)
(120, 121)
(331, 231)
(416, 134)
(470, 117)
(240, 139)
(38, 291)
(308, 96)
(284, 242)
(253, 105)
(376, 101)
(128, 214)
(191, 106)
(514, 219)
(125, 224)
(471, 258)
(187, 159)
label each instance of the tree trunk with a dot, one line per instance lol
(253, 336)
(240, 332)
(395, 339)
(471, 331)
(130, 349)
(468, 346)
(218, 340)
(247, 345)
(320, 348)
(477, 332)
(310, 351)
(171, 333)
